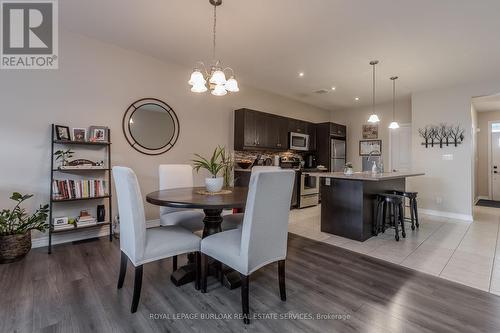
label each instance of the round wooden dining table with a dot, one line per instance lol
(212, 205)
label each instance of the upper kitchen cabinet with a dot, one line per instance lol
(297, 126)
(259, 130)
(337, 130)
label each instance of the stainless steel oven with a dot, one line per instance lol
(309, 190)
(299, 141)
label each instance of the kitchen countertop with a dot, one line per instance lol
(367, 176)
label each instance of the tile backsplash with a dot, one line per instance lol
(252, 155)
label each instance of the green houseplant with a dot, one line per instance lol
(214, 165)
(16, 226)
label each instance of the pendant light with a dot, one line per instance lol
(216, 78)
(373, 117)
(394, 124)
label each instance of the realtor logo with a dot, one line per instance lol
(29, 35)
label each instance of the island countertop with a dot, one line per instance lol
(366, 176)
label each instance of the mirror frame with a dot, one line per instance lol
(131, 140)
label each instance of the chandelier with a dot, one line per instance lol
(216, 77)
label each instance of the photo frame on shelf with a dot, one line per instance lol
(62, 133)
(368, 146)
(59, 221)
(370, 131)
(98, 134)
(79, 134)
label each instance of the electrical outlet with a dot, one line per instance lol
(327, 181)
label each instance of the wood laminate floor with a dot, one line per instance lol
(74, 290)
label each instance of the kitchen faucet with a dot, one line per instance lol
(379, 167)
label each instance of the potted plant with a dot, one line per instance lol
(16, 226)
(213, 165)
(348, 169)
(228, 161)
(63, 155)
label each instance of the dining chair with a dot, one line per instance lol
(235, 220)
(262, 239)
(141, 245)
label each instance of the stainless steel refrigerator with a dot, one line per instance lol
(337, 155)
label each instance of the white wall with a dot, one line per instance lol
(95, 84)
(354, 118)
(449, 180)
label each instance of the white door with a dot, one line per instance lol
(401, 148)
(495, 165)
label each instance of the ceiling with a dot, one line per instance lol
(487, 103)
(428, 43)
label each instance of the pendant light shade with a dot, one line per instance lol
(373, 117)
(219, 90)
(394, 124)
(232, 85)
(218, 76)
(196, 78)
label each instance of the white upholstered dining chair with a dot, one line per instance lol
(235, 220)
(141, 245)
(263, 237)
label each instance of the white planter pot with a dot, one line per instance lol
(348, 171)
(214, 184)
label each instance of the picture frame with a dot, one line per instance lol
(58, 221)
(62, 133)
(80, 134)
(98, 134)
(367, 146)
(370, 131)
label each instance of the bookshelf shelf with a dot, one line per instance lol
(81, 199)
(106, 172)
(98, 224)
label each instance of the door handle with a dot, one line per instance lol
(495, 171)
(494, 167)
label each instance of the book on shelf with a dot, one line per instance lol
(64, 189)
(63, 226)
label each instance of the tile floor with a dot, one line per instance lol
(467, 253)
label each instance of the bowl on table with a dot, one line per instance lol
(244, 164)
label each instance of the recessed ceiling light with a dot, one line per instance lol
(356, 98)
(301, 74)
(333, 88)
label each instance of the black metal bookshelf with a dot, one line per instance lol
(54, 171)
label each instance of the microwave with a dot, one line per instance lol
(299, 141)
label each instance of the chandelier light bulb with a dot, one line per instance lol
(199, 88)
(196, 78)
(373, 119)
(232, 85)
(394, 125)
(218, 77)
(219, 90)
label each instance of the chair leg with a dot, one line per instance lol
(244, 298)
(197, 261)
(174, 263)
(137, 288)
(204, 271)
(395, 221)
(123, 270)
(402, 220)
(281, 278)
(415, 211)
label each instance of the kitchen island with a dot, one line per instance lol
(347, 201)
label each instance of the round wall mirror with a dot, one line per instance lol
(151, 126)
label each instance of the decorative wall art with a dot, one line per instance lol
(370, 146)
(370, 131)
(441, 135)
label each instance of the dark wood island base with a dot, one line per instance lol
(347, 202)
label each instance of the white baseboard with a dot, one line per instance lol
(79, 235)
(462, 217)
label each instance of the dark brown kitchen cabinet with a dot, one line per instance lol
(337, 130)
(259, 130)
(297, 126)
(311, 131)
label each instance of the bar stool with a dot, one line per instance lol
(389, 205)
(412, 197)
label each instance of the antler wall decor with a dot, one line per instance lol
(442, 134)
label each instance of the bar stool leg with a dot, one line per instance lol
(384, 215)
(412, 215)
(415, 211)
(402, 220)
(395, 219)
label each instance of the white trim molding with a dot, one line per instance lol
(462, 217)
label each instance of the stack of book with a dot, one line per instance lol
(85, 220)
(63, 226)
(78, 189)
